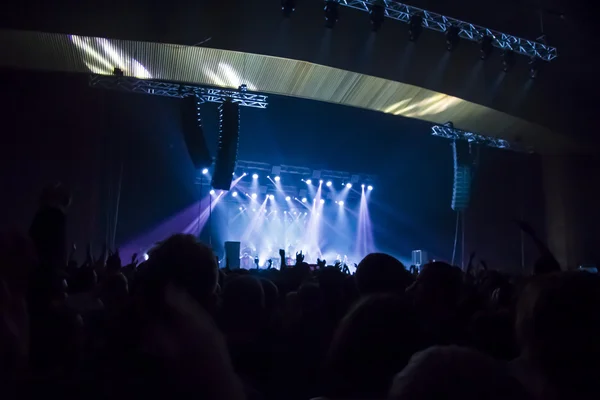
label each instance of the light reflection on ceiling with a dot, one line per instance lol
(269, 75)
(101, 58)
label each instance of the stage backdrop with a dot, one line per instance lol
(122, 149)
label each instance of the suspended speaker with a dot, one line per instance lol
(229, 134)
(461, 190)
(193, 133)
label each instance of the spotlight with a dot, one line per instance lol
(487, 46)
(288, 198)
(322, 201)
(234, 194)
(244, 174)
(377, 13)
(348, 185)
(362, 186)
(243, 88)
(415, 26)
(452, 37)
(254, 210)
(254, 195)
(277, 179)
(508, 60)
(331, 13)
(305, 213)
(254, 176)
(304, 200)
(321, 182)
(205, 171)
(341, 203)
(288, 7)
(369, 187)
(328, 183)
(212, 191)
(146, 256)
(271, 197)
(309, 182)
(241, 209)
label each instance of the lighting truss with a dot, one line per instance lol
(170, 89)
(264, 169)
(452, 133)
(437, 22)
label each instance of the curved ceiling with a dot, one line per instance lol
(266, 74)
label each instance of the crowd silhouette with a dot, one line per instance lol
(175, 325)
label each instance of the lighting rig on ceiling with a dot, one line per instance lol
(537, 51)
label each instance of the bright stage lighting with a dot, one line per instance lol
(308, 181)
(322, 201)
(288, 198)
(254, 210)
(341, 203)
(241, 209)
(321, 181)
(212, 191)
(277, 179)
(146, 256)
(254, 176)
(254, 195)
(362, 186)
(234, 194)
(304, 200)
(205, 171)
(369, 187)
(271, 197)
(348, 185)
(328, 183)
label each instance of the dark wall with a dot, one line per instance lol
(57, 128)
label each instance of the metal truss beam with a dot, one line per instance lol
(451, 133)
(170, 89)
(437, 22)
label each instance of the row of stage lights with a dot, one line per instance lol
(415, 27)
(278, 179)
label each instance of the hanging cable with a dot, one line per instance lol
(455, 238)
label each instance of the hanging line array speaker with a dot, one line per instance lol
(463, 163)
(193, 133)
(229, 134)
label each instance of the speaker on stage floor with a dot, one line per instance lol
(232, 254)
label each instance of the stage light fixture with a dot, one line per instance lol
(322, 201)
(288, 7)
(415, 27)
(118, 72)
(305, 213)
(377, 14)
(487, 46)
(362, 186)
(254, 210)
(205, 171)
(254, 176)
(369, 187)
(212, 191)
(452, 37)
(146, 256)
(508, 60)
(341, 203)
(309, 182)
(254, 195)
(321, 182)
(288, 198)
(328, 183)
(234, 194)
(271, 197)
(348, 185)
(332, 13)
(241, 209)
(277, 179)
(304, 200)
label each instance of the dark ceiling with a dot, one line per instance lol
(560, 98)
